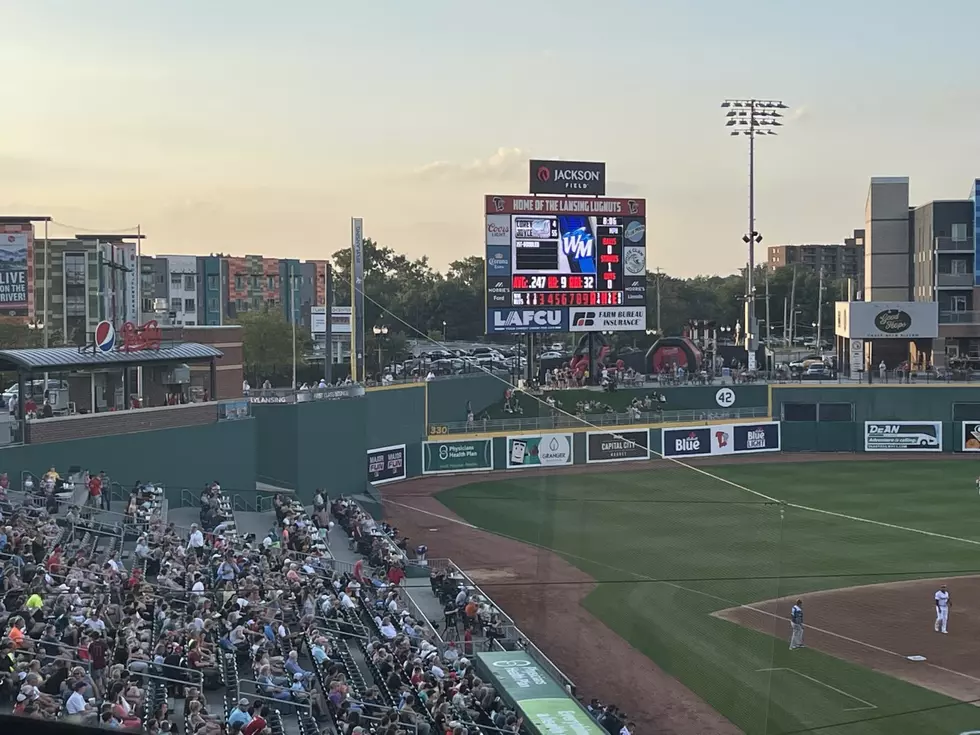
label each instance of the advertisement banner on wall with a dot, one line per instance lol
(542, 450)
(620, 446)
(464, 455)
(721, 439)
(14, 251)
(386, 464)
(970, 441)
(903, 436)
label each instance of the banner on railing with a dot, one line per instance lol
(233, 410)
(539, 450)
(617, 446)
(288, 395)
(463, 455)
(721, 439)
(903, 436)
(386, 464)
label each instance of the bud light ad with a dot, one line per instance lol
(721, 439)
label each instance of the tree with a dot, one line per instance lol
(268, 343)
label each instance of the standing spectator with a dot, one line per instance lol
(195, 541)
(95, 490)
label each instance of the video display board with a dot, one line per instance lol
(549, 255)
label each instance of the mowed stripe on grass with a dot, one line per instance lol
(629, 530)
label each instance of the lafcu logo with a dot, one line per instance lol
(689, 443)
(527, 319)
(578, 243)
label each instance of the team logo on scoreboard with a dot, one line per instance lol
(633, 206)
(634, 261)
(635, 231)
(499, 204)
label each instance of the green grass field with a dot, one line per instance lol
(669, 546)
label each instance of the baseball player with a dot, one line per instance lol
(796, 625)
(942, 609)
(978, 484)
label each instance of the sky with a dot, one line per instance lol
(244, 126)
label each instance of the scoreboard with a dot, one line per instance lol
(565, 255)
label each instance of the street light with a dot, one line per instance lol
(752, 117)
(444, 335)
(378, 332)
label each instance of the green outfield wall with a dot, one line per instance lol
(185, 457)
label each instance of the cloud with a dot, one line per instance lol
(504, 164)
(798, 113)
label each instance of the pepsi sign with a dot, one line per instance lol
(105, 337)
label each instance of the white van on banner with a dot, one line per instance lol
(903, 436)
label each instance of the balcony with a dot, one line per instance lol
(959, 317)
(949, 245)
(954, 280)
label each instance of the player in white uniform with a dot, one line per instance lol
(978, 484)
(942, 609)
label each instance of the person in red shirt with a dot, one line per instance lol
(94, 489)
(258, 723)
(53, 563)
(395, 575)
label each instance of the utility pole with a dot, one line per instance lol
(752, 117)
(819, 310)
(659, 333)
(792, 309)
(785, 320)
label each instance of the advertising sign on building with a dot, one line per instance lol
(903, 436)
(856, 356)
(887, 319)
(339, 319)
(720, 439)
(619, 446)
(386, 464)
(543, 450)
(15, 250)
(357, 299)
(463, 455)
(567, 177)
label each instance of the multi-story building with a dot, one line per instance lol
(83, 280)
(943, 269)
(837, 261)
(212, 290)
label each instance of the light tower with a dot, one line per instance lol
(752, 117)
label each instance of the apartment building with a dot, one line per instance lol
(837, 260)
(943, 269)
(81, 281)
(212, 290)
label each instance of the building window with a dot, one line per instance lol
(175, 280)
(176, 304)
(959, 232)
(239, 282)
(76, 298)
(958, 267)
(212, 304)
(189, 305)
(190, 282)
(212, 283)
(957, 303)
(271, 283)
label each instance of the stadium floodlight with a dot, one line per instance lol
(752, 117)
